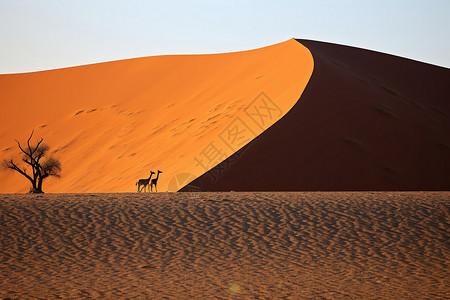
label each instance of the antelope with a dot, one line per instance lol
(154, 182)
(144, 182)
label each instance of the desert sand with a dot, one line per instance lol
(111, 123)
(304, 245)
(299, 115)
(295, 116)
(365, 121)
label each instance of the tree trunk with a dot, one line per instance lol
(39, 185)
(33, 183)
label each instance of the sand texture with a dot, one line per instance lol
(324, 245)
(366, 121)
(111, 123)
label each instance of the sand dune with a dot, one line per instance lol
(360, 245)
(111, 123)
(366, 121)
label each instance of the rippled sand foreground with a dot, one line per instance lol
(381, 245)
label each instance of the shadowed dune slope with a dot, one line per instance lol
(111, 123)
(366, 121)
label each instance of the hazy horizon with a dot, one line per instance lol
(50, 34)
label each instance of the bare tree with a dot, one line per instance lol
(42, 165)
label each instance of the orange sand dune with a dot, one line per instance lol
(366, 121)
(111, 123)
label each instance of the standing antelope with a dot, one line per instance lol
(144, 182)
(154, 182)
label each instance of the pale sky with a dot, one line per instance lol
(47, 34)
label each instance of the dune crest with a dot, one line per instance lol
(366, 121)
(111, 123)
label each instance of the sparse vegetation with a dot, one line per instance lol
(42, 165)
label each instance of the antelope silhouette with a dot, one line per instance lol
(144, 182)
(154, 182)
